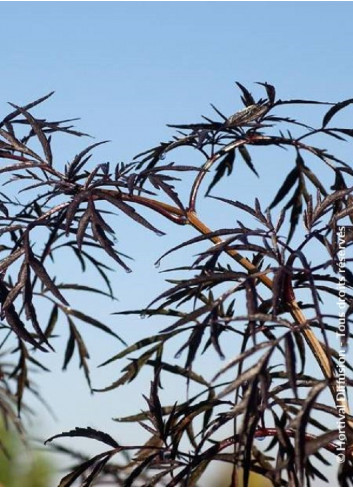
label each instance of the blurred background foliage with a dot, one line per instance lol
(222, 476)
(23, 465)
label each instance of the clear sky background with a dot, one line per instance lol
(127, 69)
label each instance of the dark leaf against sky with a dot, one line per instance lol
(258, 293)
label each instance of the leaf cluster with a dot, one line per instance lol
(264, 393)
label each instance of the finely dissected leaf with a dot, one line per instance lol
(76, 164)
(169, 167)
(347, 132)
(140, 344)
(152, 155)
(251, 419)
(197, 473)
(219, 112)
(301, 348)
(82, 351)
(70, 346)
(270, 90)
(146, 460)
(43, 275)
(314, 179)
(246, 376)
(239, 291)
(313, 446)
(21, 166)
(200, 128)
(99, 266)
(15, 322)
(333, 110)
(153, 312)
(132, 370)
(184, 372)
(247, 158)
(291, 363)
(16, 145)
(241, 357)
(215, 278)
(160, 182)
(288, 183)
(219, 232)
(329, 200)
(16, 289)
(86, 433)
(346, 212)
(92, 321)
(82, 226)
(6, 262)
(176, 408)
(225, 165)
(236, 203)
(97, 218)
(70, 478)
(194, 315)
(106, 244)
(302, 421)
(85, 288)
(39, 132)
(29, 106)
(296, 203)
(130, 211)
(302, 101)
(247, 98)
(22, 378)
(73, 208)
(98, 468)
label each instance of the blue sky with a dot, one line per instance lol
(127, 69)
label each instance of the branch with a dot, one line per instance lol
(314, 344)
